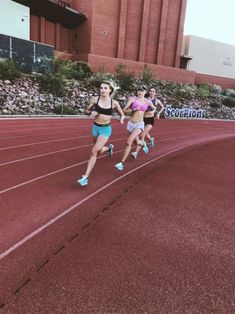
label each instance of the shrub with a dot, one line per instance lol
(214, 105)
(125, 79)
(65, 110)
(8, 70)
(203, 90)
(147, 76)
(51, 83)
(229, 92)
(229, 102)
(216, 89)
(98, 77)
(77, 70)
(83, 70)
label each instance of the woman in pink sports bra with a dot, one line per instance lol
(149, 120)
(136, 107)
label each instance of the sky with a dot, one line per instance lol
(212, 19)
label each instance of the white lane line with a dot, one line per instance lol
(47, 128)
(63, 169)
(73, 148)
(42, 155)
(68, 210)
(49, 174)
(44, 142)
(52, 153)
(69, 167)
(34, 135)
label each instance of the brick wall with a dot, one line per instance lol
(224, 82)
(162, 72)
(138, 30)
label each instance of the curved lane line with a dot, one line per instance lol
(64, 169)
(77, 147)
(68, 210)
(44, 142)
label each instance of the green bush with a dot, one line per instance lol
(83, 70)
(51, 83)
(229, 102)
(8, 70)
(125, 79)
(65, 110)
(203, 90)
(214, 105)
(98, 77)
(229, 92)
(216, 89)
(77, 70)
(147, 76)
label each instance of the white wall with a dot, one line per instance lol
(209, 56)
(14, 19)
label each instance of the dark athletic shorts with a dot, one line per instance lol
(149, 120)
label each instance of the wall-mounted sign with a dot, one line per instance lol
(188, 113)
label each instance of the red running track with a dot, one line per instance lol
(155, 238)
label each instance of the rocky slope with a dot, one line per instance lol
(24, 97)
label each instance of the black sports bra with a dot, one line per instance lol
(106, 111)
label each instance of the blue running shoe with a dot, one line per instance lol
(83, 181)
(134, 155)
(151, 142)
(110, 150)
(144, 146)
(119, 166)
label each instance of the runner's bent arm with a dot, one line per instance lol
(151, 105)
(127, 109)
(88, 110)
(162, 108)
(118, 108)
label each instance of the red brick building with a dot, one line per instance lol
(112, 32)
(148, 31)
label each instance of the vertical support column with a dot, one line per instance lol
(122, 29)
(180, 33)
(42, 30)
(144, 30)
(57, 39)
(162, 32)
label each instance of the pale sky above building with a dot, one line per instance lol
(212, 19)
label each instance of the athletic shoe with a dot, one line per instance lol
(110, 150)
(151, 142)
(119, 166)
(144, 146)
(134, 155)
(83, 181)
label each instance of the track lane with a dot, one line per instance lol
(35, 204)
(52, 193)
(173, 234)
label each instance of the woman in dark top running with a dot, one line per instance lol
(101, 109)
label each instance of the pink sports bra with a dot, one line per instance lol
(141, 107)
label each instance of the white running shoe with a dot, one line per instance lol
(144, 147)
(134, 155)
(83, 181)
(119, 166)
(151, 142)
(110, 151)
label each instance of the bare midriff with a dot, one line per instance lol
(137, 116)
(102, 119)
